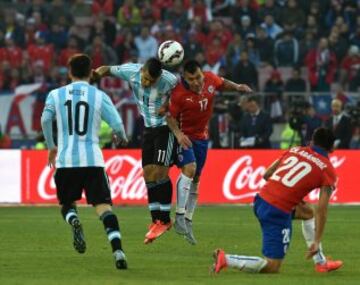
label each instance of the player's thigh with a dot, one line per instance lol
(97, 187)
(200, 152)
(303, 211)
(164, 147)
(69, 185)
(186, 160)
(276, 229)
(148, 148)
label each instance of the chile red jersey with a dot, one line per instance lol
(192, 110)
(301, 170)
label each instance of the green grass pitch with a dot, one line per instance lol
(36, 248)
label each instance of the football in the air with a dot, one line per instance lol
(171, 53)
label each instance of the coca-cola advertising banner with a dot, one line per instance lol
(229, 176)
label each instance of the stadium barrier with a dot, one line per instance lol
(229, 177)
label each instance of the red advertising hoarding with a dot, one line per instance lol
(229, 176)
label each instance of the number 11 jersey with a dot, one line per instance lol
(301, 170)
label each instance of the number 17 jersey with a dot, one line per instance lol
(301, 170)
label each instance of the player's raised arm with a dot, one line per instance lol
(47, 118)
(228, 85)
(320, 218)
(112, 117)
(122, 71)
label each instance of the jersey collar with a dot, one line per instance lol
(320, 151)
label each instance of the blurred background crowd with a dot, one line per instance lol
(302, 58)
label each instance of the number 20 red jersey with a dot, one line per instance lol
(301, 170)
(193, 111)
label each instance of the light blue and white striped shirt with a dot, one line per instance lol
(149, 100)
(78, 109)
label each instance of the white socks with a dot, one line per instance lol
(308, 230)
(192, 201)
(183, 188)
(253, 264)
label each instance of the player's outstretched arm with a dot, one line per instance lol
(182, 139)
(271, 169)
(228, 85)
(101, 72)
(320, 218)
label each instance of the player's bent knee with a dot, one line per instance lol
(149, 173)
(102, 208)
(161, 172)
(189, 170)
(304, 212)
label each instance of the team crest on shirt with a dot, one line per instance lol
(211, 89)
(180, 158)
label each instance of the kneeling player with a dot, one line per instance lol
(289, 180)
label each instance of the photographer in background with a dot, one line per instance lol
(297, 121)
(340, 123)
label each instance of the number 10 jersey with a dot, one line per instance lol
(78, 109)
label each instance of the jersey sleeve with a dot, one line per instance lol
(216, 80)
(171, 82)
(174, 104)
(329, 177)
(47, 117)
(111, 116)
(124, 71)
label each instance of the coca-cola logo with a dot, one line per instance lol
(125, 179)
(243, 180)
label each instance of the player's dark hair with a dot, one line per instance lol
(191, 66)
(323, 138)
(80, 65)
(253, 98)
(154, 67)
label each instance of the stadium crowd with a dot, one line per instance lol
(284, 49)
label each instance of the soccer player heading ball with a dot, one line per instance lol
(289, 179)
(191, 107)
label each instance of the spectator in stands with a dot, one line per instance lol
(105, 7)
(271, 28)
(199, 9)
(337, 44)
(321, 64)
(335, 11)
(104, 27)
(286, 50)
(192, 46)
(177, 15)
(256, 127)
(57, 36)
(233, 51)
(71, 49)
(355, 37)
(41, 52)
(274, 88)
(293, 16)
(11, 53)
(245, 71)
(306, 44)
(269, 8)
(37, 6)
(219, 126)
(350, 67)
(237, 111)
(266, 43)
(126, 47)
(218, 30)
(81, 9)
(100, 53)
(355, 140)
(58, 12)
(150, 13)
(246, 27)
(340, 123)
(129, 15)
(146, 44)
(295, 83)
(10, 25)
(312, 122)
(312, 25)
(243, 8)
(252, 49)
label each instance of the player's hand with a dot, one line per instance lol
(52, 157)
(313, 249)
(94, 76)
(183, 140)
(162, 110)
(120, 141)
(244, 88)
(102, 71)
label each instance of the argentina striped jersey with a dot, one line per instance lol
(149, 100)
(78, 109)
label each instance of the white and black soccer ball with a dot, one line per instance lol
(171, 53)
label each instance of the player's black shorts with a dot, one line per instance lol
(158, 146)
(70, 183)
